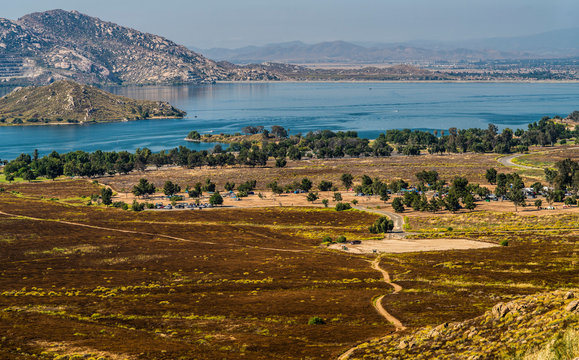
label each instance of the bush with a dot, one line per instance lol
(343, 206)
(137, 206)
(382, 225)
(316, 321)
(341, 239)
(216, 199)
(325, 202)
(504, 243)
(449, 228)
(327, 239)
(121, 205)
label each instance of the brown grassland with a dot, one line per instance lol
(242, 283)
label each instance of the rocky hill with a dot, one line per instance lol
(520, 329)
(47, 46)
(66, 102)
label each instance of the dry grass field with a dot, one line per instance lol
(82, 281)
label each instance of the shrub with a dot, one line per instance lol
(137, 206)
(341, 239)
(504, 243)
(315, 320)
(449, 228)
(343, 206)
(327, 239)
(325, 202)
(121, 205)
(382, 225)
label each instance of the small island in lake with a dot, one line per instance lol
(68, 102)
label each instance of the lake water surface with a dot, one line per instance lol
(369, 108)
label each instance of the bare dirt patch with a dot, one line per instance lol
(407, 245)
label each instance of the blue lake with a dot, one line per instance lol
(369, 108)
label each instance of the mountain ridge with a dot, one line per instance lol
(552, 44)
(59, 44)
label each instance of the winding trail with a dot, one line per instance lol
(377, 303)
(145, 233)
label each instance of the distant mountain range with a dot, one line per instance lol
(553, 44)
(52, 45)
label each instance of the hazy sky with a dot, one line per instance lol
(235, 23)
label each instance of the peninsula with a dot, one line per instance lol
(67, 102)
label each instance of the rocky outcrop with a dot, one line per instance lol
(71, 45)
(519, 326)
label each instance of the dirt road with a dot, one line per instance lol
(397, 219)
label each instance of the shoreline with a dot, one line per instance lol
(400, 81)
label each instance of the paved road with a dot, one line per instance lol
(508, 160)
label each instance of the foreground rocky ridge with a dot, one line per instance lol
(510, 330)
(47, 46)
(66, 102)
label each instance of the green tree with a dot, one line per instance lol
(325, 202)
(280, 162)
(325, 185)
(491, 175)
(306, 185)
(398, 205)
(312, 197)
(468, 202)
(171, 189)
(538, 203)
(229, 186)
(337, 197)
(107, 196)
(347, 180)
(216, 199)
(144, 187)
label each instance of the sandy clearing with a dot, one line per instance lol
(406, 245)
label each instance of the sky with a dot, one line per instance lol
(236, 23)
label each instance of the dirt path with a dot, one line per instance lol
(145, 233)
(377, 303)
(396, 218)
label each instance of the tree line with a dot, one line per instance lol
(317, 144)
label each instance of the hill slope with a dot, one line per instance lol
(510, 330)
(58, 44)
(68, 102)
